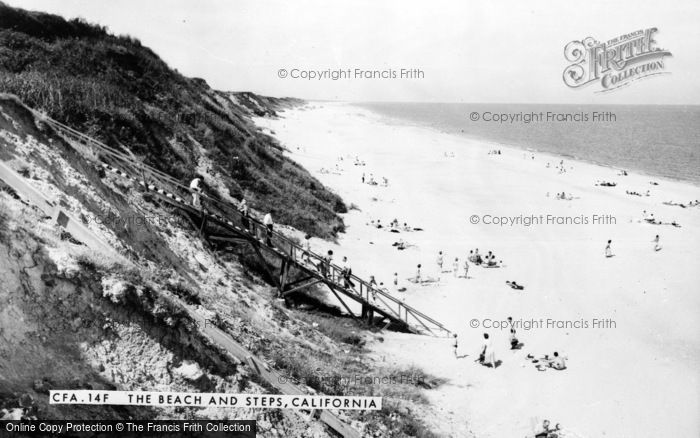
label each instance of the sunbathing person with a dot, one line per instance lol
(558, 362)
(542, 431)
(400, 245)
(514, 285)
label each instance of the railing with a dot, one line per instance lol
(232, 217)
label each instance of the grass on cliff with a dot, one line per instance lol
(114, 89)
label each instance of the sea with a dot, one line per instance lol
(658, 140)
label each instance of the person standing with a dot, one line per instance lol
(439, 261)
(418, 277)
(327, 264)
(466, 268)
(396, 281)
(454, 344)
(346, 273)
(269, 224)
(489, 356)
(243, 210)
(657, 243)
(306, 254)
(455, 267)
(196, 191)
(608, 249)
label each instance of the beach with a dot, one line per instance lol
(627, 324)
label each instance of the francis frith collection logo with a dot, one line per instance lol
(614, 63)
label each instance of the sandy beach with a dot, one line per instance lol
(628, 324)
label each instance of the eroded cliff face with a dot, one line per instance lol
(71, 318)
(65, 323)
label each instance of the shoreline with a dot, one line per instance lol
(438, 193)
(399, 121)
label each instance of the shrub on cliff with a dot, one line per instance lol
(114, 89)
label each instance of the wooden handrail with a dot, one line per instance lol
(295, 251)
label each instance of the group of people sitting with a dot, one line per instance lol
(605, 184)
(563, 196)
(488, 260)
(679, 204)
(650, 219)
(394, 226)
(633, 193)
(400, 245)
(556, 361)
(359, 162)
(337, 170)
(494, 152)
(546, 431)
(371, 181)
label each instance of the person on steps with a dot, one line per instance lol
(243, 210)
(269, 224)
(196, 191)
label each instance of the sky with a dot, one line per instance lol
(508, 51)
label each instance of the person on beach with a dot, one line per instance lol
(487, 355)
(455, 267)
(514, 285)
(454, 344)
(269, 224)
(608, 249)
(439, 261)
(418, 276)
(396, 281)
(196, 191)
(513, 340)
(657, 243)
(558, 362)
(543, 431)
(363, 177)
(466, 268)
